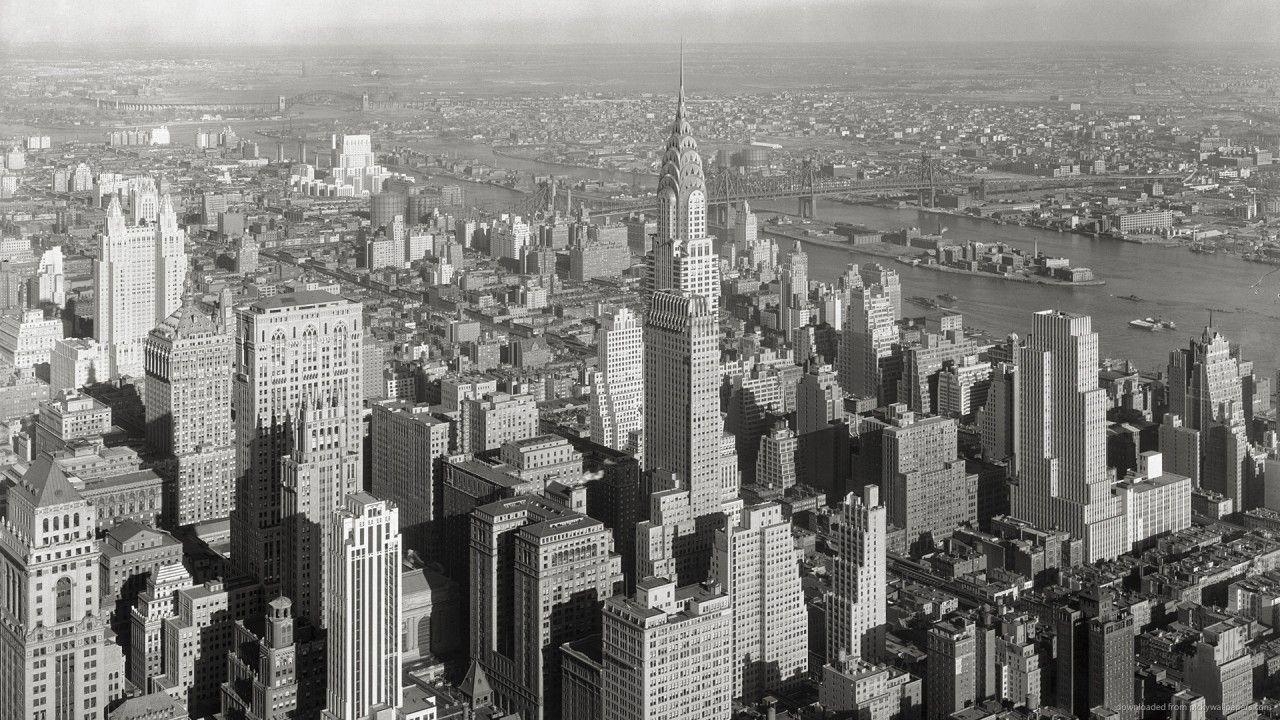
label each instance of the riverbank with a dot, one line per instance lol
(1036, 279)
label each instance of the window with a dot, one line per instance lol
(63, 600)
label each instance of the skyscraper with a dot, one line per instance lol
(667, 653)
(407, 443)
(682, 394)
(316, 476)
(1062, 477)
(1206, 389)
(57, 659)
(364, 633)
(756, 563)
(856, 610)
(927, 491)
(292, 349)
(617, 391)
(188, 404)
(138, 280)
(866, 344)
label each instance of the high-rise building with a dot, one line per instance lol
(682, 394)
(1206, 389)
(793, 306)
(887, 278)
(776, 463)
(58, 660)
(617, 390)
(998, 419)
(819, 399)
(138, 281)
(316, 476)
(1062, 476)
(926, 488)
(406, 445)
(683, 258)
(866, 344)
(292, 350)
(275, 669)
(496, 418)
(745, 230)
(856, 611)
(668, 653)
(364, 631)
(950, 685)
(757, 564)
(563, 570)
(682, 427)
(27, 338)
(188, 406)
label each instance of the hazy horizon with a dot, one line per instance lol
(213, 24)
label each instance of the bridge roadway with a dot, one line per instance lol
(790, 188)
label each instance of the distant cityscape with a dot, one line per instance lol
(335, 390)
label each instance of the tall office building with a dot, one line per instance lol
(538, 575)
(667, 653)
(683, 258)
(364, 634)
(866, 344)
(617, 390)
(138, 282)
(407, 444)
(856, 610)
(188, 406)
(682, 394)
(745, 230)
(777, 464)
(926, 489)
(951, 681)
(1062, 477)
(683, 426)
(887, 278)
(819, 399)
(291, 349)
(496, 418)
(57, 659)
(793, 305)
(757, 564)
(316, 476)
(1206, 389)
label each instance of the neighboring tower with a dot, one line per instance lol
(364, 616)
(927, 491)
(56, 657)
(866, 344)
(290, 349)
(682, 395)
(664, 653)
(315, 477)
(819, 400)
(776, 466)
(793, 306)
(758, 565)
(856, 610)
(188, 406)
(951, 680)
(1206, 389)
(1062, 477)
(407, 444)
(138, 279)
(617, 392)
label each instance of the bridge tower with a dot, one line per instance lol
(722, 189)
(281, 104)
(364, 102)
(927, 174)
(808, 200)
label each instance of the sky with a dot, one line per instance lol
(223, 23)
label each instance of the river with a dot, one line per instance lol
(1174, 284)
